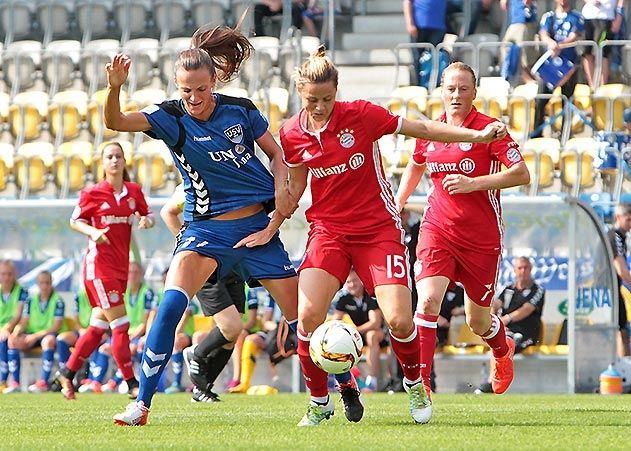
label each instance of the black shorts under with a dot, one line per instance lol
(622, 312)
(215, 297)
(598, 30)
(271, 345)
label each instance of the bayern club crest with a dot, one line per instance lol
(132, 203)
(347, 139)
(113, 296)
(465, 147)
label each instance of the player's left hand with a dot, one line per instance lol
(285, 203)
(144, 222)
(257, 238)
(493, 131)
(458, 184)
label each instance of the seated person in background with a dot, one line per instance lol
(12, 300)
(266, 8)
(368, 319)
(266, 340)
(520, 306)
(42, 319)
(139, 298)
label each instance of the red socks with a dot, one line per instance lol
(86, 344)
(408, 352)
(495, 337)
(315, 378)
(120, 347)
(426, 326)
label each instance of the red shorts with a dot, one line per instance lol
(377, 260)
(476, 271)
(105, 293)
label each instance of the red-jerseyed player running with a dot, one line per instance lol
(105, 214)
(353, 222)
(461, 233)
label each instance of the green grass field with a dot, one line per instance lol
(512, 422)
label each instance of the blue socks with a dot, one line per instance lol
(63, 353)
(48, 356)
(160, 340)
(14, 364)
(293, 325)
(343, 378)
(177, 361)
(98, 366)
(4, 360)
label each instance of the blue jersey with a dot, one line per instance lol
(429, 14)
(216, 157)
(520, 13)
(559, 27)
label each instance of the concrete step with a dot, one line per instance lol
(368, 57)
(380, 6)
(379, 23)
(371, 41)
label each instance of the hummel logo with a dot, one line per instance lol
(202, 138)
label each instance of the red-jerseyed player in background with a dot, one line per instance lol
(105, 214)
(354, 222)
(461, 232)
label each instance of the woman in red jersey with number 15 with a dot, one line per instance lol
(461, 233)
(105, 215)
(354, 222)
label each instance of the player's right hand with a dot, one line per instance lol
(118, 70)
(99, 236)
(493, 131)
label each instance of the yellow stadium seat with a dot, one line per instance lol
(203, 323)
(72, 166)
(27, 114)
(6, 165)
(4, 107)
(274, 103)
(408, 101)
(466, 343)
(96, 123)
(66, 114)
(541, 156)
(577, 160)
(435, 107)
(145, 97)
(553, 346)
(608, 104)
(519, 104)
(32, 165)
(152, 164)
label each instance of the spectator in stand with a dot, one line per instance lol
(268, 8)
(477, 6)
(425, 22)
(522, 15)
(558, 30)
(368, 319)
(603, 19)
(618, 239)
(42, 319)
(12, 300)
(520, 306)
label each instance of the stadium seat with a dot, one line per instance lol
(466, 343)
(54, 18)
(32, 164)
(6, 165)
(291, 54)
(435, 107)
(203, 323)
(145, 97)
(166, 60)
(486, 58)
(274, 103)
(72, 166)
(19, 61)
(495, 92)
(171, 17)
(408, 101)
(96, 124)
(59, 60)
(577, 160)
(93, 18)
(95, 56)
(66, 115)
(608, 104)
(541, 156)
(131, 18)
(257, 71)
(16, 19)
(152, 164)
(519, 104)
(238, 7)
(558, 342)
(4, 107)
(144, 56)
(211, 12)
(27, 114)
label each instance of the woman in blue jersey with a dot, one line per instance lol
(228, 190)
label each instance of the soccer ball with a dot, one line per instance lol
(335, 347)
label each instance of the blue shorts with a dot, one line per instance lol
(215, 238)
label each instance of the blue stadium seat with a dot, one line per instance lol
(601, 203)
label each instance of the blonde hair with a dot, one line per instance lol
(459, 65)
(318, 68)
(220, 49)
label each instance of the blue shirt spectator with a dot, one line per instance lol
(522, 12)
(560, 26)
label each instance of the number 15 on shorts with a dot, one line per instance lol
(395, 266)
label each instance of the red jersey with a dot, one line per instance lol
(472, 220)
(349, 190)
(101, 208)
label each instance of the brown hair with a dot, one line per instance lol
(318, 68)
(459, 65)
(524, 259)
(105, 145)
(220, 49)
